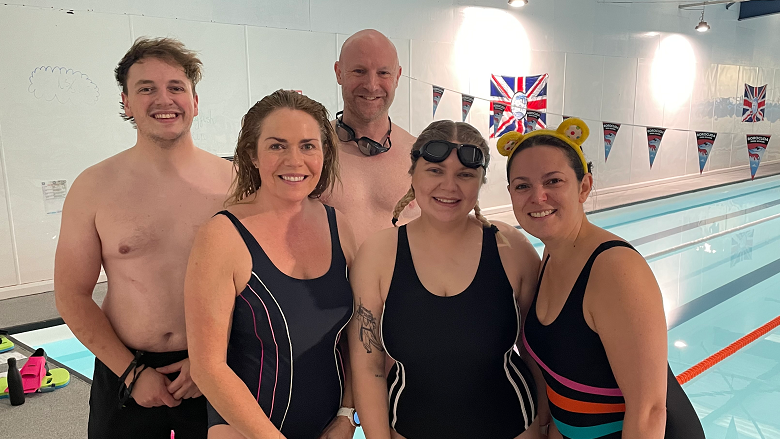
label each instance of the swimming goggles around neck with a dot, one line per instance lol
(436, 151)
(366, 145)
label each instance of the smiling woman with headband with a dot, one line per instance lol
(447, 310)
(596, 325)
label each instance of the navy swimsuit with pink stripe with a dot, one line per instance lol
(283, 339)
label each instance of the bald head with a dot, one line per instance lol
(368, 41)
(368, 72)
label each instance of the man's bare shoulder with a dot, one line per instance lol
(101, 174)
(403, 137)
(215, 166)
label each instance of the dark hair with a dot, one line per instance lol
(169, 50)
(247, 179)
(544, 140)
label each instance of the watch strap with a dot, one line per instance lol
(349, 413)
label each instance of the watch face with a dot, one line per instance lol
(355, 418)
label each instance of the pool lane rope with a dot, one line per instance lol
(729, 350)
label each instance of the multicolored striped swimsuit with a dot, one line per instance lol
(585, 400)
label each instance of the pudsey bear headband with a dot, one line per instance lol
(572, 131)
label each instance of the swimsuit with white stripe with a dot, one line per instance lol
(457, 374)
(283, 340)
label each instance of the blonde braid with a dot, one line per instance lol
(485, 223)
(401, 205)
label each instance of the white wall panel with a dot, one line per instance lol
(720, 155)
(703, 98)
(649, 109)
(8, 265)
(571, 15)
(728, 102)
(584, 86)
(616, 18)
(68, 124)
(739, 153)
(773, 115)
(619, 90)
(432, 20)
(292, 60)
(554, 64)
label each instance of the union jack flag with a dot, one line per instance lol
(754, 103)
(503, 88)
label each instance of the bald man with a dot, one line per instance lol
(374, 152)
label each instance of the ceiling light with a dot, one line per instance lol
(518, 3)
(702, 26)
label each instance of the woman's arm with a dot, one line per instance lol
(365, 342)
(522, 266)
(525, 299)
(209, 296)
(341, 426)
(625, 307)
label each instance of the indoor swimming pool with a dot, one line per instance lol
(716, 255)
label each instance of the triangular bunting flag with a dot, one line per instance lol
(610, 132)
(704, 142)
(498, 113)
(437, 94)
(756, 145)
(531, 120)
(654, 136)
(467, 101)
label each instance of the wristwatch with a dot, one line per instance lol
(351, 414)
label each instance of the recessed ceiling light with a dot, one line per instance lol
(518, 3)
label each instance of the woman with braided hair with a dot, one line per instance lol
(448, 310)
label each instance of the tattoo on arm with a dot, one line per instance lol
(369, 330)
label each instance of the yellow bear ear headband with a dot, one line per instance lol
(573, 131)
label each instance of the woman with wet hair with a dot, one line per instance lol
(596, 326)
(266, 292)
(447, 310)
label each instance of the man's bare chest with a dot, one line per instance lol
(374, 184)
(153, 223)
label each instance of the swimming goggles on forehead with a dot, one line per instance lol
(436, 151)
(366, 145)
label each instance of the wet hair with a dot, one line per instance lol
(169, 50)
(544, 140)
(446, 130)
(247, 177)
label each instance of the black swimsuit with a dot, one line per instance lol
(584, 398)
(457, 374)
(283, 339)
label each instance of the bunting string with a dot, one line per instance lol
(549, 113)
